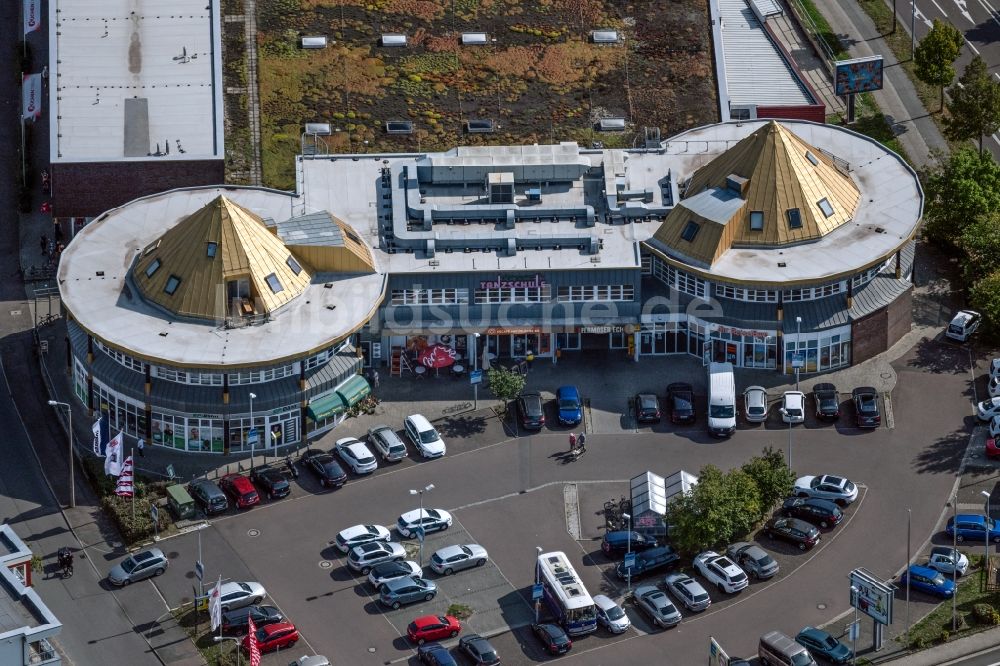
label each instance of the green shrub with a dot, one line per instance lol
(134, 525)
(944, 635)
(985, 614)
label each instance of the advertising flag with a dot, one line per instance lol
(113, 455)
(124, 487)
(215, 604)
(32, 15)
(252, 646)
(97, 438)
(31, 91)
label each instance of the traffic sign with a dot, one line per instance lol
(252, 436)
(853, 631)
(476, 377)
(629, 560)
(154, 514)
(420, 534)
(199, 570)
(798, 361)
(536, 592)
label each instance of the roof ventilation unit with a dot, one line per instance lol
(480, 126)
(511, 247)
(474, 38)
(319, 129)
(314, 42)
(605, 36)
(429, 249)
(399, 127)
(611, 125)
(737, 184)
(393, 40)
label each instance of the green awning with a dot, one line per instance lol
(325, 406)
(354, 390)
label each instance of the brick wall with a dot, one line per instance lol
(868, 336)
(900, 318)
(813, 112)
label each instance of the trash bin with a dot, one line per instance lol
(180, 502)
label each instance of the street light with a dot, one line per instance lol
(420, 530)
(854, 631)
(538, 551)
(986, 541)
(628, 552)
(798, 347)
(219, 639)
(954, 569)
(475, 385)
(252, 435)
(72, 466)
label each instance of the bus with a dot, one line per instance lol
(565, 594)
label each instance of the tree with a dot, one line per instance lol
(980, 245)
(985, 298)
(505, 384)
(974, 105)
(773, 478)
(719, 507)
(963, 189)
(936, 54)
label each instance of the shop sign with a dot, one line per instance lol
(206, 416)
(514, 282)
(872, 596)
(609, 328)
(513, 330)
(744, 332)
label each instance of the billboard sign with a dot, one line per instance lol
(872, 596)
(857, 75)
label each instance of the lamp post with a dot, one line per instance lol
(253, 434)
(909, 515)
(72, 465)
(913, 28)
(219, 639)
(475, 385)
(986, 541)
(954, 569)
(854, 631)
(628, 546)
(538, 553)
(798, 347)
(420, 530)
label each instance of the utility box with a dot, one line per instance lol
(500, 187)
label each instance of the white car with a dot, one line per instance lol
(357, 456)
(610, 615)
(424, 436)
(450, 559)
(987, 409)
(995, 368)
(993, 386)
(963, 325)
(793, 407)
(947, 560)
(836, 489)
(237, 595)
(362, 558)
(995, 427)
(721, 571)
(755, 404)
(359, 534)
(688, 591)
(429, 520)
(387, 443)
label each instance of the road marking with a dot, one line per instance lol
(890, 421)
(933, 2)
(964, 9)
(971, 46)
(571, 502)
(500, 498)
(990, 10)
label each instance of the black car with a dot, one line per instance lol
(529, 406)
(866, 407)
(209, 496)
(325, 467)
(236, 621)
(616, 543)
(793, 530)
(435, 654)
(647, 408)
(479, 650)
(680, 399)
(827, 401)
(552, 636)
(650, 561)
(813, 510)
(271, 482)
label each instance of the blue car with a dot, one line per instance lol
(928, 580)
(821, 643)
(973, 527)
(570, 405)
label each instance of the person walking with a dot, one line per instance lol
(374, 378)
(141, 447)
(43, 242)
(581, 442)
(572, 442)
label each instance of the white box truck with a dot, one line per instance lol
(721, 400)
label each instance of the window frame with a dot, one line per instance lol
(794, 218)
(175, 280)
(690, 231)
(824, 205)
(272, 282)
(760, 216)
(153, 266)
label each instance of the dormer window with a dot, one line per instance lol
(172, 283)
(690, 231)
(794, 218)
(756, 220)
(824, 205)
(211, 249)
(154, 266)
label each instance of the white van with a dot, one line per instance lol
(777, 649)
(721, 400)
(963, 325)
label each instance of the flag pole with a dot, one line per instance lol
(134, 488)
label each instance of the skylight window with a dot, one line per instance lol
(812, 158)
(211, 249)
(690, 231)
(825, 206)
(172, 283)
(294, 265)
(352, 236)
(274, 283)
(153, 267)
(794, 218)
(756, 220)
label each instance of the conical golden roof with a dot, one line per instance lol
(220, 261)
(787, 192)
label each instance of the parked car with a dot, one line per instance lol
(356, 455)
(688, 591)
(138, 566)
(325, 467)
(320, 660)
(755, 404)
(721, 572)
(552, 637)
(531, 409)
(479, 650)
(423, 435)
(927, 580)
(866, 407)
(239, 594)
(208, 496)
(793, 530)
(238, 620)
(753, 559)
(271, 482)
(948, 560)
(680, 399)
(963, 325)
(974, 528)
(277, 636)
(988, 409)
(240, 490)
(995, 367)
(822, 643)
(616, 543)
(450, 559)
(793, 407)
(654, 602)
(647, 408)
(387, 443)
(610, 615)
(649, 561)
(432, 628)
(991, 449)
(359, 534)
(362, 558)
(995, 427)
(428, 520)
(570, 405)
(407, 590)
(993, 387)
(435, 654)
(823, 513)
(826, 486)
(383, 573)
(827, 400)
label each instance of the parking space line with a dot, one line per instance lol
(549, 484)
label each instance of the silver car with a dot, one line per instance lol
(948, 560)
(362, 558)
(450, 559)
(654, 603)
(237, 595)
(399, 591)
(387, 443)
(836, 489)
(755, 404)
(688, 591)
(141, 565)
(753, 559)
(356, 455)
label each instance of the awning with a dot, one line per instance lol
(324, 406)
(354, 390)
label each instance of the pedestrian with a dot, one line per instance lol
(374, 378)
(581, 441)
(572, 442)
(58, 232)
(44, 243)
(141, 446)
(45, 72)
(530, 358)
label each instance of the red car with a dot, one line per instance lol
(992, 449)
(274, 636)
(240, 490)
(433, 628)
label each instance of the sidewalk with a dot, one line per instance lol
(812, 67)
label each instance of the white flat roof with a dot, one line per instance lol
(164, 58)
(102, 306)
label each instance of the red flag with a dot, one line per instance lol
(252, 646)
